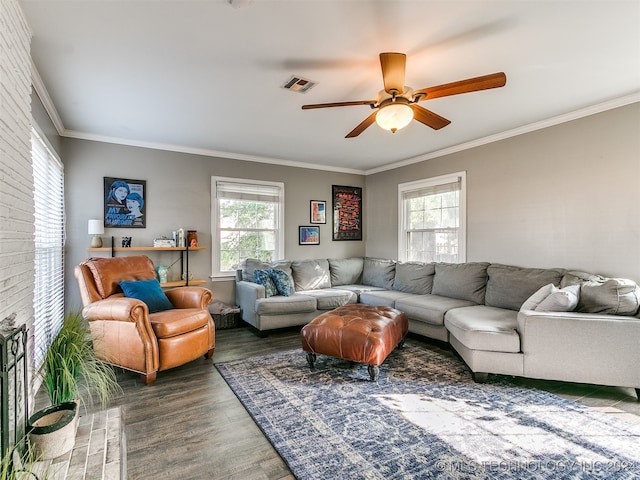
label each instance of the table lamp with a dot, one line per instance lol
(96, 228)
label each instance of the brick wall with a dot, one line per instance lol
(16, 176)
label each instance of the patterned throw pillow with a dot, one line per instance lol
(262, 278)
(283, 281)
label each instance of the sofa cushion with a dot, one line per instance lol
(464, 281)
(378, 298)
(282, 281)
(169, 323)
(280, 305)
(359, 289)
(263, 278)
(598, 294)
(330, 298)
(251, 264)
(378, 272)
(484, 328)
(311, 274)
(346, 271)
(148, 291)
(429, 308)
(414, 277)
(509, 286)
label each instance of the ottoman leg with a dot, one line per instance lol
(311, 359)
(373, 372)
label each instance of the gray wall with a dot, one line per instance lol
(565, 196)
(179, 195)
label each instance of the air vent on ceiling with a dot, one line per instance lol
(299, 84)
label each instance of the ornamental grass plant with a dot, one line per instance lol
(71, 371)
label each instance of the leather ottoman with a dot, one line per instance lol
(360, 333)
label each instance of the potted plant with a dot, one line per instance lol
(71, 374)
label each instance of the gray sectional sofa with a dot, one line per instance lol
(549, 324)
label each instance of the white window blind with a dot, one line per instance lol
(432, 219)
(48, 177)
(247, 222)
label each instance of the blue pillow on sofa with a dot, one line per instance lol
(150, 292)
(283, 282)
(262, 278)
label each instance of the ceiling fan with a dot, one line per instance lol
(397, 104)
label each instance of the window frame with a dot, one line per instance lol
(404, 188)
(215, 227)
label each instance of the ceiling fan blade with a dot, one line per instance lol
(339, 104)
(366, 123)
(393, 69)
(429, 118)
(493, 80)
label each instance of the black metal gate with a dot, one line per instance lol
(13, 386)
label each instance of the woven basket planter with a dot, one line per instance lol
(52, 431)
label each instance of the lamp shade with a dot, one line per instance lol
(394, 116)
(96, 227)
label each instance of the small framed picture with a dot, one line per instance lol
(318, 211)
(309, 235)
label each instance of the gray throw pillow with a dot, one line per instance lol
(598, 294)
(414, 277)
(346, 271)
(311, 274)
(509, 286)
(550, 298)
(464, 281)
(378, 272)
(560, 300)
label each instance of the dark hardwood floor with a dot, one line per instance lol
(190, 425)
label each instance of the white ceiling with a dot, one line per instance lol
(205, 77)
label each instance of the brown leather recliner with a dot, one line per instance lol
(125, 334)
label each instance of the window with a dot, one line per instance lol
(247, 222)
(48, 179)
(432, 219)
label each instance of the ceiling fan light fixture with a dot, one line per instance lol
(394, 116)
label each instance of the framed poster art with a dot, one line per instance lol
(125, 204)
(347, 212)
(318, 211)
(309, 235)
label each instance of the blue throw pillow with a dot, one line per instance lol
(283, 282)
(150, 292)
(262, 278)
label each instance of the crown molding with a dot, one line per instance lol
(550, 122)
(205, 152)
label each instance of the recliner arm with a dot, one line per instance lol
(122, 309)
(190, 297)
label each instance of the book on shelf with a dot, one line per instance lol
(164, 242)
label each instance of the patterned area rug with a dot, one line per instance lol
(425, 418)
